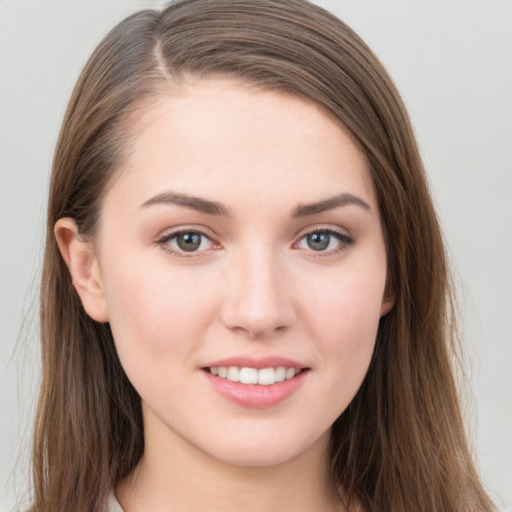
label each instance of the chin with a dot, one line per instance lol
(268, 451)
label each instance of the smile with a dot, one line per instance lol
(256, 382)
(245, 375)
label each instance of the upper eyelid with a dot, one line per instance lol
(172, 232)
(342, 237)
(329, 228)
(164, 239)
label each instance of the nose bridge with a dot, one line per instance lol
(257, 297)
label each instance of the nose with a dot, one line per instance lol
(258, 298)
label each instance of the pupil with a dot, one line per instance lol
(318, 241)
(189, 241)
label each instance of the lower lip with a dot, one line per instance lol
(255, 395)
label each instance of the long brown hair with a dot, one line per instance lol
(401, 443)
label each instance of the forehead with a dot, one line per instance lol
(223, 139)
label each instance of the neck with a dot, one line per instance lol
(176, 476)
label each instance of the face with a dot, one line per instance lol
(242, 242)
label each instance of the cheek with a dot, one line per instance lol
(155, 312)
(343, 316)
(349, 300)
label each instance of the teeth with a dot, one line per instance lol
(290, 372)
(264, 377)
(233, 374)
(280, 374)
(248, 376)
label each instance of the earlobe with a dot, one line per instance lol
(83, 266)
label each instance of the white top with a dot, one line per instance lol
(113, 504)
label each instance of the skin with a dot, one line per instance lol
(255, 287)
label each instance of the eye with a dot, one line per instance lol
(186, 242)
(325, 240)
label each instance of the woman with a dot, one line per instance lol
(245, 298)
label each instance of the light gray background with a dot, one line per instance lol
(452, 62)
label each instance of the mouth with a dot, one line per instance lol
(256, 383)
(261, 376)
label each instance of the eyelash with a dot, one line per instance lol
(345, 241)
(164, 242)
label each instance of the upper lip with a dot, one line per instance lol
(271, 361)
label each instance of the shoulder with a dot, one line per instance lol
(113, 505)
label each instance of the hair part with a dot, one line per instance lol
(401, 444)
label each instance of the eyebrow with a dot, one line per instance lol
(337, 201)
(214, 208)
(195, 203)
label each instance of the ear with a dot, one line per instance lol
(388, 300)
(84, 268)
